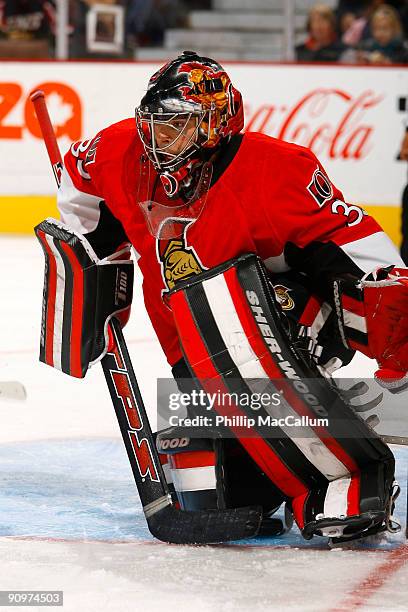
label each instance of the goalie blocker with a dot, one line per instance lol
(372, 316)
(81, 294)
(339, 479)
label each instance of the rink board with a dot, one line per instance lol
(19, 215)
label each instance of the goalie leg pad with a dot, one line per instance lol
(194, 469)
(232, 333)
(81, 293)
(214, 473)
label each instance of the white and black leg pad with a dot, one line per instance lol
(81, 294)
(233, 335)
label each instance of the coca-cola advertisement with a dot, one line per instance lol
(348, 115)
(331, 122)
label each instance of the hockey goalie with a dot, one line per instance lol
(254, 267)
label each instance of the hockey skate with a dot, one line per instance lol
(341, 531)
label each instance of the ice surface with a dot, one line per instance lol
(69, 514)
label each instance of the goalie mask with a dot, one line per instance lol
(190, 109)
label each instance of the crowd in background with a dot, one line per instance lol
(357, 31)
(146, 21)
(26, 28)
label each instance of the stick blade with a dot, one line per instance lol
(205, 526)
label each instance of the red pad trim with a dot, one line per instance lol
(51, 295)
(204, 369)
(363, 348)
(192, 459)
(298, 505)
(355, 306)
(311, 311)
(353, 495)
(114, 349)
(77, 311)
(262, 352)
(163, 458)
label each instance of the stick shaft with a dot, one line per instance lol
(133, 421)
(152, 484)
(47, 130)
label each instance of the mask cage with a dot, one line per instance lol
(161, 157)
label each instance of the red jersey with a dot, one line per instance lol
(267, 197)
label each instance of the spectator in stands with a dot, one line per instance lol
(386, 44)
(352, 28)
(323, 44)
(357, 8)
(349, 11)
(26, 28)
(354, 7)
(353, 18)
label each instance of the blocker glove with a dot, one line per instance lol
(373, 318)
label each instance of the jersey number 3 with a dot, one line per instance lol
(353, 213)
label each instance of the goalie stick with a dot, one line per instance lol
(164, 520)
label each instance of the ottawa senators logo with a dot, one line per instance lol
(283, 297)
(320, 188)
(178, 261)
